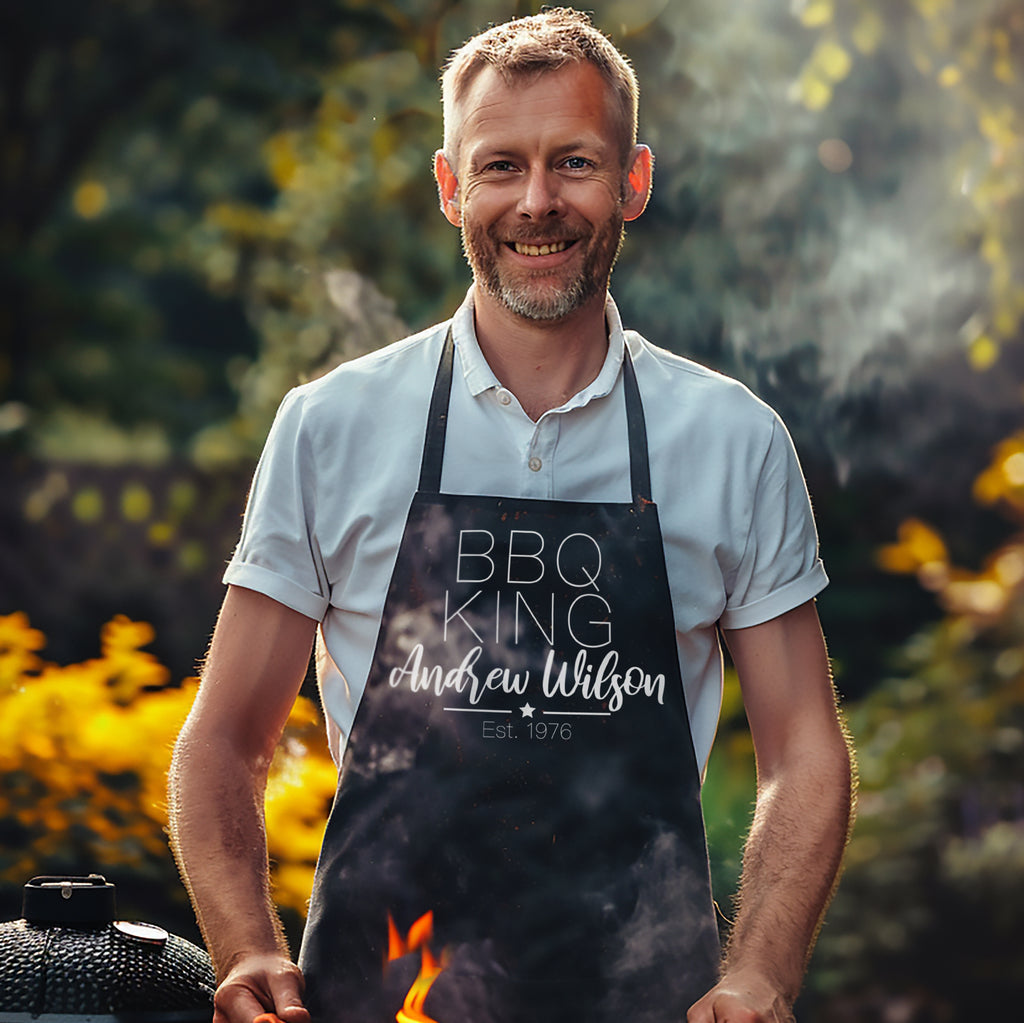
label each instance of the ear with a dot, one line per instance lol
(447, 188)
(637, 186)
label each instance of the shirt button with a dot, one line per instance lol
(504, 397)
(535, 464)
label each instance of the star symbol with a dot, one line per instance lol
(527, 710)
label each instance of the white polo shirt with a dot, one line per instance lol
(333, 487)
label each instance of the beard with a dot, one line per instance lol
(543, 294)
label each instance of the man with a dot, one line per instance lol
(523, 713)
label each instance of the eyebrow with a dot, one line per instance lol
(483, 155)
(594, 145)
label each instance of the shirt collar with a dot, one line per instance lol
(480, 377)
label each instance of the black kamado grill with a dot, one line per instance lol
(70, 961)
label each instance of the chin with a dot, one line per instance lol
(548, 309)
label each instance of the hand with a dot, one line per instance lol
(259, 984)
(742, 997)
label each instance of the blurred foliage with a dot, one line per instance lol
(121, 122)
(82, 543)
(84, 752)
(970, 54)
(928, 924)
(840, 212)
(727, 796)
(977, 597)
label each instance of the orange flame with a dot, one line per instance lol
(412, 1009)
(418, 938)
(419, 934)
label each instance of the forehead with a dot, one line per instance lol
(570, 105)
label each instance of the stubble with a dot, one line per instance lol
(540, 295)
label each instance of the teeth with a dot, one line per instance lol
(540, 250)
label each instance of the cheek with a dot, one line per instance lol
(595, 200)
(475, 209)
(607, 192)
(481, 197)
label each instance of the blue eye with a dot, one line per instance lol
(577, 163)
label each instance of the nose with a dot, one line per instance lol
(541, 198)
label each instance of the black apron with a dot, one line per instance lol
(521, 767)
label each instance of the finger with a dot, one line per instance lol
(703, 1010)
(286, 990)
(716, 1007)
(235, 1004)
(729, 1009)
(292, 1014)
(701, 1013)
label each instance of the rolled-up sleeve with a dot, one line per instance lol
(278, 554)
(780, 567)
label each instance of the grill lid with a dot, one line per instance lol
(70, 961)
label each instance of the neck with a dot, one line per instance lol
(543, 363)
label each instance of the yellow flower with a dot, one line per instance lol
(86, 747)
(129, 668)
(293, 883)
(122, 634)
(17, 634)
(919, 548)
(18, 645)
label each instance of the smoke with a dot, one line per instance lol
(829, 258)
(859, 337)
(660, 949)
(881, 277)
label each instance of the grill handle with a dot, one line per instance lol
(69, 901)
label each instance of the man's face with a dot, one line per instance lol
(541, 187)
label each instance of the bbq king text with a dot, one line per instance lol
(519, 578)
(516, 583)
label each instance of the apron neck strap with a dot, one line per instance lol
(437, 421)
(639, 464)
(437, 427)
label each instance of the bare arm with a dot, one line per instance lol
(257, 661)
(801, 821)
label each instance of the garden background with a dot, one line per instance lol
(203, 202)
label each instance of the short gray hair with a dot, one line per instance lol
(525, 48)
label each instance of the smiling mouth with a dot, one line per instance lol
(540, 250)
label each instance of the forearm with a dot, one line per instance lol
(219, 840)
(791, 863)
(218, 777)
